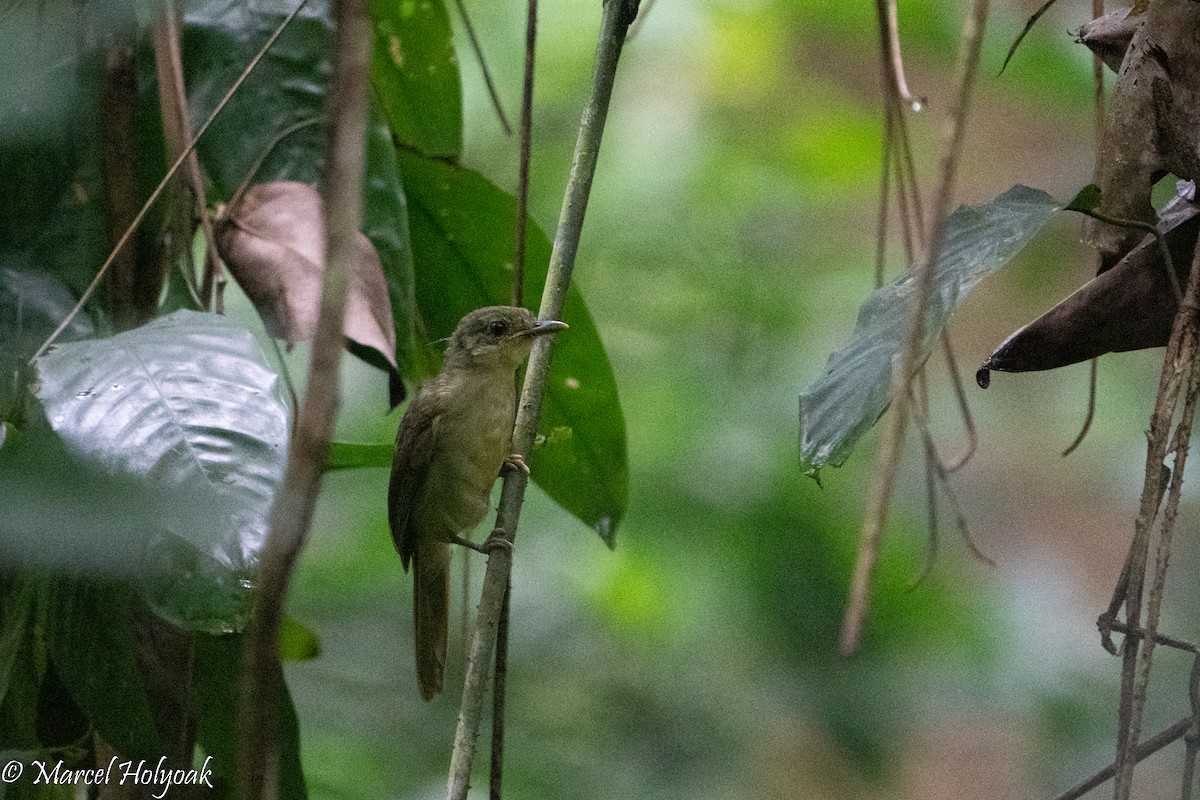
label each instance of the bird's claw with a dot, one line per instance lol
(498, 540)
(516, 461)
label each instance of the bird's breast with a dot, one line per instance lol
(474, 436)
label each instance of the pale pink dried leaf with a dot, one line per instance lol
(274, 245)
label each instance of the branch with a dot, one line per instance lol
(1179, 364)
(617, 16)
(1144, 751)
(888, 460)
(520, 228)
(291, 515)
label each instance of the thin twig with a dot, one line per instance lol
(1159, 638)
(1144, 751)
(1091, 410)
(888, 459)
(1159, 239)
(893, 36)
(158, 190)
(177, 131)
(248, 179)
(500, 672)
(291, 513)
(487, 73)
(518, 282)
(1192, 738)
(885, 201)
(1178, 364)
(1012, 50)
(499, 696)
(615, 21)
(964, 408)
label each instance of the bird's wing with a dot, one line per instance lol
(415, 444)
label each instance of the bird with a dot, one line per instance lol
(453, 441)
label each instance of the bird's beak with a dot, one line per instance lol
(548, 326)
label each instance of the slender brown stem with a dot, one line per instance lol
(893, 34)
(500, 673)
(964, 408)
(888, 459)
(1098, 135)
(487, 73)
(518, 282)
(499, 687)
(291, 514)
(885, 200)
(616, 18)
(158, 190)
(1179, 364)
(1144, 751)
(1091, 410)
(177, 132)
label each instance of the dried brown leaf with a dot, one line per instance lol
(1153, 127)
(1109, 36)
(273, 242)
(1128, 307)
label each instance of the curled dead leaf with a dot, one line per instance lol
(1153, 123)
(1109, 36)
(1128, 307)
(273, 242)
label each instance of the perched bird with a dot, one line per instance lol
(454, 438)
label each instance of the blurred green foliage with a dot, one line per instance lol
(728, 245)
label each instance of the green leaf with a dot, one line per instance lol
(297, 642)
(352, 455)
(91, 640)
(32, 304)
(18, 598)
(186, 404)
(218, 670)
(288, 87)
(856, 389)
(1086, 201)
(462, 232)
(415, 74)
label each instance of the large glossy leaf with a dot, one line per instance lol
(857, 386)
(462, 228)
(92, 642)
(188, 404)
(218, 664)
(32, 303)
(415, 75)
(288, 87)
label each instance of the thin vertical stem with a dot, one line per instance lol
(615, 21)
(291, 514)
(518, 283)
(888, 460)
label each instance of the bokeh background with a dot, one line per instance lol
(728, 243)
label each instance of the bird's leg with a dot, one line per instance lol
(496, 540)
(515, 461)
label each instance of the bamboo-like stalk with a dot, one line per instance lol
(616, 18)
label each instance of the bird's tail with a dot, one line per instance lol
(431, 613)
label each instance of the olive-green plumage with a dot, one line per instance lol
(451, 445)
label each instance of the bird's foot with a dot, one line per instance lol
(497, 540)
(515, 461)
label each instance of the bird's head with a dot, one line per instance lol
(497, 336)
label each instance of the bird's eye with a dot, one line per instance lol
(498, 327)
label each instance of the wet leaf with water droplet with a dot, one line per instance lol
(184, 423)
